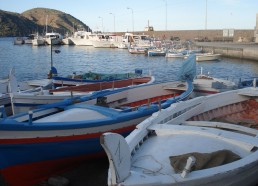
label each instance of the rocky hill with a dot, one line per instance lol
(34, 20)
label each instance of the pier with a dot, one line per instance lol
(233, 50)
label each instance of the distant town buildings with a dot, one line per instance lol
(149, 28)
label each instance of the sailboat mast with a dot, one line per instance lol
(46, 23)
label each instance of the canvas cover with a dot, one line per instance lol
(188, 69)
(203, 160)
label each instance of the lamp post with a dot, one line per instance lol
(102, 23)
(114, 22)
(166, 15)
(206, 17)
(132, 17)
(52, 70)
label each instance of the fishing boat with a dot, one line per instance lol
(137, 50)
(204, 85)
(157, 52)
(207, 57)
(28, 100)
(201, 141)
(52, 138)
(175, 54)
(11, 85)
(90, 77)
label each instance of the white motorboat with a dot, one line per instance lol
(122, 45)
(207, 57)
(29, 39)
(38, 40)
(107, 41)
(83, 38)
(53, 38)
(139, 40)
(201, 141)
(67, 41)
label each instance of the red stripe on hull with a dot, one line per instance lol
(103, 85)
(206, 91)
(30, 174)
(62, 138)
(151, 100)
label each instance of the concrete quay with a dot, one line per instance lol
(233, 50)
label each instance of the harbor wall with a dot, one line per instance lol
(235, 51)
(244, 35)
(240, 44)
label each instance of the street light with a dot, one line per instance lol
(132, 17)
(166, 12)
(206, 17)
(102, 23)
(52, 70)
(114, 22)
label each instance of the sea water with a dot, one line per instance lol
(34, 62)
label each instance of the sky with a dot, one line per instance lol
(161, 14)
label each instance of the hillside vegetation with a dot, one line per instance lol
(34, 20)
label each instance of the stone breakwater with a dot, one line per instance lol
(234, 50)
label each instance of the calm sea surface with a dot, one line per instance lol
(32, 62)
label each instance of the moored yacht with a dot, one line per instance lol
(38, 40)
(53, 37)
(81, 37)
(29, 39)
(107, 41)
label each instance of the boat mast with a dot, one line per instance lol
(46, 23)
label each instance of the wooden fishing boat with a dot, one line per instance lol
(204, 85)
(49, 139)
(137, 50)
(207, 57)
(25, 101)
(157, 52)
(69, 133)
(90, 77)
(10, 85)
(201, 141)
(175, 54)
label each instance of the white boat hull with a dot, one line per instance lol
(67, 41)
(82, 42)
(105, 44)
(185, 128)
(38, 42)
(208, 57)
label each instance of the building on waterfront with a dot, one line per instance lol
(149, 28)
